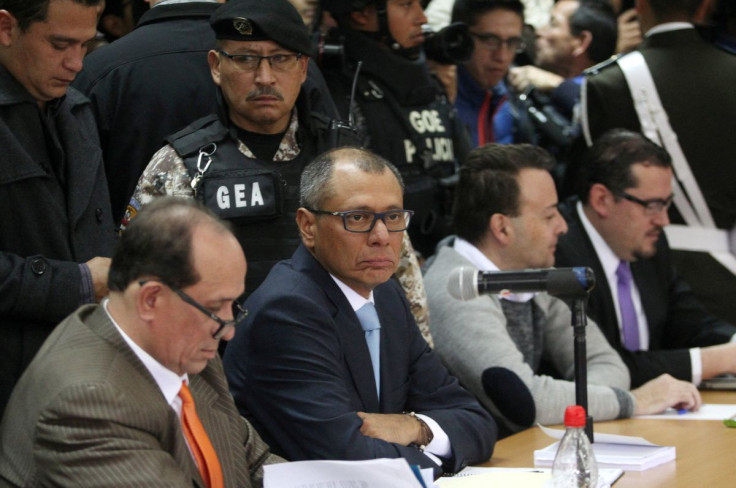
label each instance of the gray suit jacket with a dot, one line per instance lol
(88, 413)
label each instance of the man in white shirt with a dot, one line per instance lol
(106, 400)
(617, 221)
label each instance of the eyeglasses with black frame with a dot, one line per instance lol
(651, 206)
(362, 221)
(493, 43)
(251, 62)
(224, 324)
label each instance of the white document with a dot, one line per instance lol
(708, 411)
(373, 473)
(480, 477)
(613, 451)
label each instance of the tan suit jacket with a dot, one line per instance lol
(88, 413)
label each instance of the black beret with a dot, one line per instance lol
(262, 20)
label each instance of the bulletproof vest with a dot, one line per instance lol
(259, 198)
(420, 140)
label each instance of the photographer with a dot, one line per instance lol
(579, 35)
(400, 110)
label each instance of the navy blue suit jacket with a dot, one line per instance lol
(300, 369)
(675, 318)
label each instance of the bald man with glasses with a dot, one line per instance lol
(131, 392)
(646, 311)
(330, 364)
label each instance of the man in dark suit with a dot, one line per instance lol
(695, 83)
(316, 380)
(624, 190)
(104, 402)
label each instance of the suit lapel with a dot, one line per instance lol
(600, 303)
(83, 157)
(349, 330)
(100, 324)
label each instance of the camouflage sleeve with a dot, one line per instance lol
(165, 175)
(409, 275)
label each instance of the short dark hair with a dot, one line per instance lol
(316, 182)
(488, 185)
(158, 242)
(608, 161)
(598, 18)
(665, 8)
(26, 12)
(468, 11)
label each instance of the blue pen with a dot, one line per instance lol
(681, 411)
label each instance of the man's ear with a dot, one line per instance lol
(365, 19)
(585, 38)
(307, 223)
(8, 25)
(500, 228)
(213, 59)
(600, 199)
(148, 300)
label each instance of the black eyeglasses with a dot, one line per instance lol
(364, 221)
(224, 324)
(251, 62)
(652, 206)
(493, 43)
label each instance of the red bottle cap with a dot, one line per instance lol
(575, 416)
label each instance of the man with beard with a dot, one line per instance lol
(244, 162)
(653, 320)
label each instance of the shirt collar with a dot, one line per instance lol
(668, 27)
(355, 299)
(168, 382)
(609, 260)
(481, 261)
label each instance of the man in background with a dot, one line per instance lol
(56, 227)
(682, 67)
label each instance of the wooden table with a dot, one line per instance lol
(706, 449)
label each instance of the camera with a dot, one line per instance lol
(450, 45)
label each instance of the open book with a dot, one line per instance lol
(613, 451)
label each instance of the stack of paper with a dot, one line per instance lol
(374, 473)
(613, 451)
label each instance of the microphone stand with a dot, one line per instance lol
(579, 322)
(576, 298)
(577, 302)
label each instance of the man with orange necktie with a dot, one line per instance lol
(131, 392)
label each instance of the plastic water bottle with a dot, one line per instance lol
(575, 465)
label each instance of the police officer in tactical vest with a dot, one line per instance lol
(400, 110)
(245, 161)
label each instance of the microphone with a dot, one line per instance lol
(466, 283)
